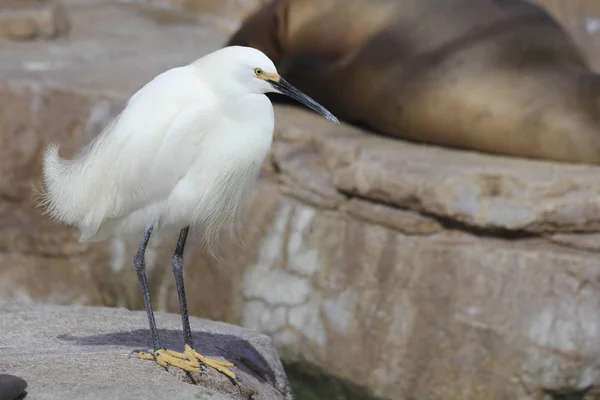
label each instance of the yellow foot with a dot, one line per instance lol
(188, 360)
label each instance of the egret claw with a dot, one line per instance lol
(190, 360)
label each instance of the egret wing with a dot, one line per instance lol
(140, 158)
(159, 165)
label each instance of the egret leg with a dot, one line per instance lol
(189, 352)
(178, 274)
(139, 263)
(160, 355)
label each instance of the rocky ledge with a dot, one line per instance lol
(85, 353)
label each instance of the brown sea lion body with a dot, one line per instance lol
(498, 76)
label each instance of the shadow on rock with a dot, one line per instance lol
(232, 348)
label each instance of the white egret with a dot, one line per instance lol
(185, 151)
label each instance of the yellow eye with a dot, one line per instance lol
(258, 71)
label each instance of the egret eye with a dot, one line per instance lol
(258, 71)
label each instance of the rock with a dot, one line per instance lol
(427, 316)
(378, 267)
(11, 387)
(304, 175)
(84, 353)
(484, 192)
(31, 19)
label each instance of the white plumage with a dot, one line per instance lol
(185, 152)
(186, 149)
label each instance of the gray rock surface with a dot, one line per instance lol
(84, 353)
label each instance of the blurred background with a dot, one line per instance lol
(381, 268)
(581, 19)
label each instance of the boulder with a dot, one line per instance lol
(85, 353)
(11, 387)
(379, 268)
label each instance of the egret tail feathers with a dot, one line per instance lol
(66, 190)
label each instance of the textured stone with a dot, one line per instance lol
(305, 175)
(71, 352)
(84, 353)
(402, 220)
(26, 19)
(471, 188)
(442, 316)
(400, 270)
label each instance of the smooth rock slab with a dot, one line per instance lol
(84, 353)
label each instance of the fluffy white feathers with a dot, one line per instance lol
(186, 150)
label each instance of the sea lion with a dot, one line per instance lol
(496, 76)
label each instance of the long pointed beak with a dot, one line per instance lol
(284, 87)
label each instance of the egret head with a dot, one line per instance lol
(256, 72)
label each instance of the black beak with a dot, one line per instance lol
(286, 88)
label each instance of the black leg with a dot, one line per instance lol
(139, 263)
(178, 273)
